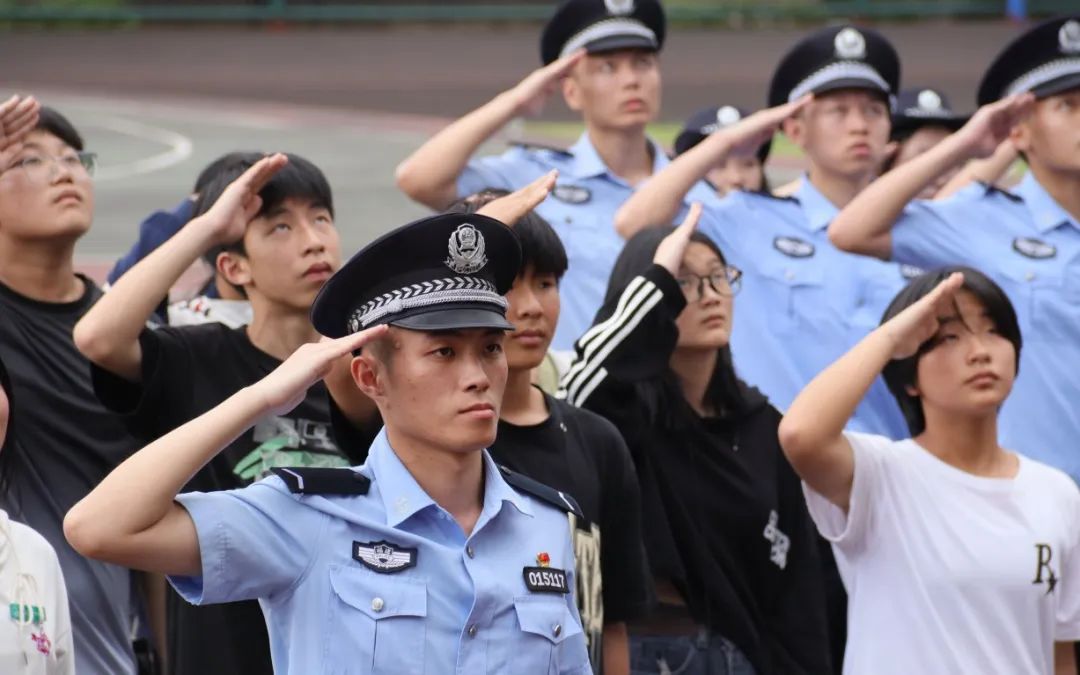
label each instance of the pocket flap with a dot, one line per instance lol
(547, 617)
(380, 596)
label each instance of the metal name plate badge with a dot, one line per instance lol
(545, 580)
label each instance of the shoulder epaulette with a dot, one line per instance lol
(530, 145)
(323, 480)
(993, 189)
(559, 500)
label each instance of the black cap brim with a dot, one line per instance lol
(1058, 86)
(613, 43)
(457, 318)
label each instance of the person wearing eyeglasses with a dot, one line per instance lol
(730, 542)
(46, 206)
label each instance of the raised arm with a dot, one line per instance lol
(811, 432)
(659, 200)
(430, 174)
(132, 519)
(988, 171)
(864, 225)
(108, 334)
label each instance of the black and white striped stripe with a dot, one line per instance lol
(597, 344)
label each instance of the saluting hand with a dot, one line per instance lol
(18, 117)
(287, 385)
(991, 124)
(918, 323)
(669, 254)
(749, 133)
(513, 207)
(240, 202)
(533, 92)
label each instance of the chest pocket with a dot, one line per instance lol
(548, 639)
(796, 294)
(1046, 295)
(376, 623)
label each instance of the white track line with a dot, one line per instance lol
(179, 149)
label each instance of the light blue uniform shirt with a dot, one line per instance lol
(1030, 246)
(803, 302)
(462, 606)
(581, 209)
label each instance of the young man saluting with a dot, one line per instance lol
(426, 559)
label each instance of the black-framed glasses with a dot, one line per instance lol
(726, 280)
(40, 167)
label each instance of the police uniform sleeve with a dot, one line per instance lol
(165, 396)
(254, 542)
(634, 342)
(848, 531)
(503, 171)
(931, 234)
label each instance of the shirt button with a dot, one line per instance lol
(472, 630)
(556, 630)
(789, 275)
(469, 551)
(1029, 276)
(377, 604)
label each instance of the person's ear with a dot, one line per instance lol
(794, 128)
(234, 268)
(369, 374)
(571, 91)
(1020, 134)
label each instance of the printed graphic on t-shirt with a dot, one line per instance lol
(780, 541)
(590, 590)
(1044, 574)
(287, 441)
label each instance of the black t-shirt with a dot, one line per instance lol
(724, 515)
(186, 371)
(582, 454)
(69, 443)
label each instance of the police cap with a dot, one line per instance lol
(602, 26)
(922, 107)
(839, 57)
(710, 120)
(442, 272)
(1044, 60)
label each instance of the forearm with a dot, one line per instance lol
(658, 201)
(989, 170)
(430, 174)
(109, 333)
(139, 493)
(616, 649)
(863, 226)
(1064, 658)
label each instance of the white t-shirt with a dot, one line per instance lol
(952, 573)
(35, 622)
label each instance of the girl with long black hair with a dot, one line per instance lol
(729, 541)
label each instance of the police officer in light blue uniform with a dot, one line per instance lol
(803, 302)
(1027, 240)
(429, 558)
(616, 88)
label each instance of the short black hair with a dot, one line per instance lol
(541, 247)
(220, 165)
(901, 374)
(299, 179)
(52, 122)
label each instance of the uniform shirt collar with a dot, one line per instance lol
(403, 497)
(816, 207)
(1046, 213)
(588, 164)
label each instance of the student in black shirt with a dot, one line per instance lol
(275, 239)
(730, 543)
(572, 450)
(71, 441)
